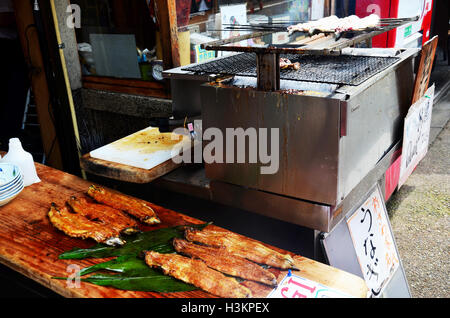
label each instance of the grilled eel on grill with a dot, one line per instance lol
(195, 272)
(109, 216)
(77, 225)
(132, 206)
(219, 259)
(240, 246)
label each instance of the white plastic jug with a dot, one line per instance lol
(18, 156)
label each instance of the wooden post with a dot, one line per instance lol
(327, 8)
(268, 71)
(333, 7)
(166, 14)
(32, 52)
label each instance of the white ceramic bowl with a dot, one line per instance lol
(11, 191)
(9, 199)
(7, 185)
(8, 173)
(11, 185)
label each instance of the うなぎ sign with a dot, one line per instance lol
(374, 243)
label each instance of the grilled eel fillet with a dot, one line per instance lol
(240, 246)
(195, 272)
(221, 260)
(129, 205)
(77, 225)
(110, 217)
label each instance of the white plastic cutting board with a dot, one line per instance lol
(144, 149)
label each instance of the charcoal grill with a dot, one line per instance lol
(339, 122)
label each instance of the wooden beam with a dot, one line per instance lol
(166, 14)
(32, 52)
(127, 86)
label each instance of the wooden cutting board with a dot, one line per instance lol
(144, 149)
(118, 171)
(139, 158)
(30, 245)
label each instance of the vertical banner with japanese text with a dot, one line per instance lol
(373, 242)
(416, 134)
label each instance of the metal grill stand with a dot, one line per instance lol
(268, 71)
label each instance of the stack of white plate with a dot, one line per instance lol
(11, 182)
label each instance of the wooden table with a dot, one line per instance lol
(30, 245)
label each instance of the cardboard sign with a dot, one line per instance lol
(373, 242)
(416, 135)
(293, 286)
(422, 80)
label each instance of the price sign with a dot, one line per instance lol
(416, 135)
(373, 242)
(293, 286)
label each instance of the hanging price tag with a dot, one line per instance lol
(373, 242)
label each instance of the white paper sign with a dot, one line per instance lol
(373, 242)
(233, 15)
(293, 286)
(416, 134)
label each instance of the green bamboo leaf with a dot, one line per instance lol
(122, 264)
(156, 240)
(133, 274)
(148, 281)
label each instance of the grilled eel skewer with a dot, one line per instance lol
(77, 225)
(219, 259)
(240, 246)
(132, 206)
(195, 272)
(110, 217)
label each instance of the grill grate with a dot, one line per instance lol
(342, 69)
